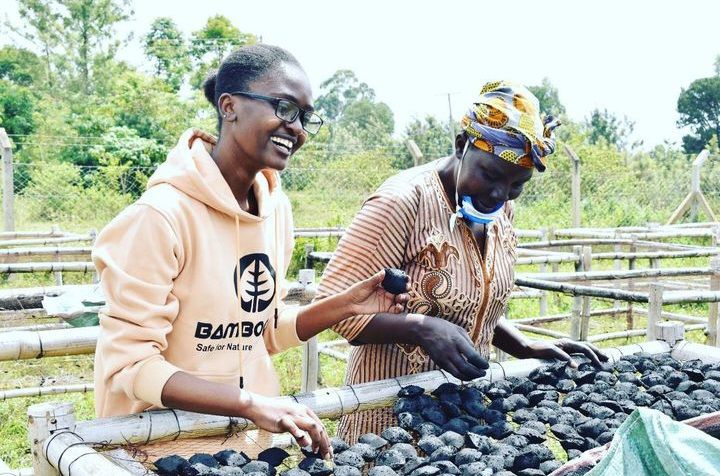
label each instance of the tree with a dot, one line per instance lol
(548, 97)
(41, 28)
(699, 109)
(212, 43)
(165, 47)
(90, 36)
(16, 109)
(76, 38)
(603, 125)
(340, 91)
(20, 66)
(431, 135)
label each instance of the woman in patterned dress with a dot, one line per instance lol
(449, 225)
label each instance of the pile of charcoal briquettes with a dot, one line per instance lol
(498, 428)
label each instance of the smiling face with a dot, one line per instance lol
(489, 180)
(263, 140)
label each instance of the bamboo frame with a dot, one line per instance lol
(40, 391)
(48, 267)
(68, 437)
(47, 241)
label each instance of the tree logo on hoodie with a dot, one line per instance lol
(256, 281)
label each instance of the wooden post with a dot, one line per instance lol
(631, 287)
(576, 314)
(542, 268)
(712, 338)
(695, 184)
(617, 265)
(414, 152)
(585, 319)
(655, 302)
(576, 198)
(58, 274)
(311, 358)
(8, 183)
(44, 419)
(309, 248)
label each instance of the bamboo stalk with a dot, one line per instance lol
(38, 327)
(40, 267)
(559, 317)
(634, 333)
(46, 251)
(39, 391)
(334, 353)
(656, 254)
(17, 345)
(574, 289)
(12, 235)
(681, 297)
(327, 403)
(542, 331)
(46, 241)
(617, 275)
(675, 316)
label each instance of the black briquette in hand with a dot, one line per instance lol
(395, 281)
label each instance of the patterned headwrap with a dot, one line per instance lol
(505, 121)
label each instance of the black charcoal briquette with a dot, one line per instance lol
(395, 281)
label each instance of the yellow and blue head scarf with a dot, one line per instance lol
(505, 121)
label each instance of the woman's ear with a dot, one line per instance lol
(460, 141)
(226, 106)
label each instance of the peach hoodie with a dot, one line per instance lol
(169, 269)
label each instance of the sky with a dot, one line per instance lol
(631, 57)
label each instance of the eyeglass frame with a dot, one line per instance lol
(275, 101)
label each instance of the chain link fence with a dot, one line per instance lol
(79, 198)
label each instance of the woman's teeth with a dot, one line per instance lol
(282, 142)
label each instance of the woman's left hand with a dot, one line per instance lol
(562, 348)
(369, 297)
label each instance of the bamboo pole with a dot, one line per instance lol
(38, 327)
(46, 241)
(47, 251)
(657, 254)
(560, 317)
(17, 345)
(45, 419)
(690, 351)
(585, 305)
(13, 235)
(334, 353)
(576, 312)
(574, 289)
(655, 303)
(612, 275)
(8, 181)
(686, 297)
(712, 338)
(633, 333)
(675, 316)
(327, 403)
(41, 267)
(41, 391)
(542, 331)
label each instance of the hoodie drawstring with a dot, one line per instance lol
(237, 287)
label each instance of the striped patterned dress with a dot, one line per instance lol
(405, 224)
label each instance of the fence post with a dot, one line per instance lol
(44, 419)
(585, 319)
(576, 314)
(309, 248)
(543, 269)
(58, 274)
(712, 338)
(576, 198)
(8, 183)
(655, 302)
(93, 235)
(310, 359)
(631, 287)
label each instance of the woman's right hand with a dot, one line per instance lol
(450, 347)
(298, 420)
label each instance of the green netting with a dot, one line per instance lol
(650, 443)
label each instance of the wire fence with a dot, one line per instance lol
(329, 194)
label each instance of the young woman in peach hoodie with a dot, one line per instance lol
(193, 272)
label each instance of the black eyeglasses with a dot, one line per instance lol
(288, 111)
